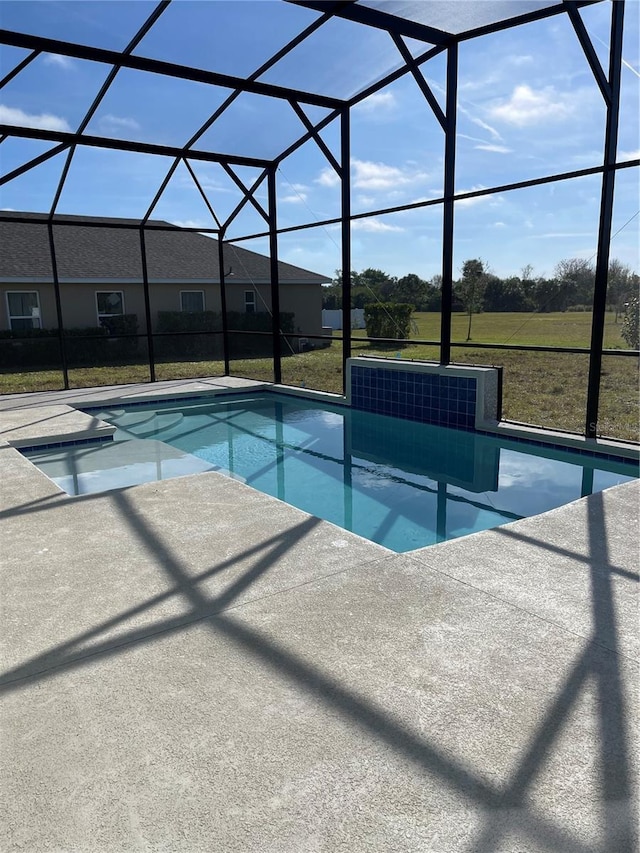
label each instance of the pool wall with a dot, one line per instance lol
(449, 396)
(58, 420)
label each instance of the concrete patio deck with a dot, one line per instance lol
(190, 665)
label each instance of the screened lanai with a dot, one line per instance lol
(341, 139)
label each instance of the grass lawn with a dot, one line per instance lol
(546, 389)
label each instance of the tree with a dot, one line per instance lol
(506, 294)
(471, 288)
(548, 296)
(620, 286)
(576, 279)
(631, 323)
(413, 290)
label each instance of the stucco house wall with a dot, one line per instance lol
(79, 308)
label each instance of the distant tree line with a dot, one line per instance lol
(478, 289)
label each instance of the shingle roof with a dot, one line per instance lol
(104, 253)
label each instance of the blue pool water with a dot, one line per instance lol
(399, 483)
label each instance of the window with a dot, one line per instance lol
(192, 300)
(110, 304)
(250, 301)
(23, 310)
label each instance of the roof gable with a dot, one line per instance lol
(96, 248)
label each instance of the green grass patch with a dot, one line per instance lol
(544, 389)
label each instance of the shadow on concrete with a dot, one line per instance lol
(506, 808)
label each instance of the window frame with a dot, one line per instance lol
(99, 315)
(251, 302)
(193, 291)
(11, 317)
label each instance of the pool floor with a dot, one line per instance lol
(401, 484)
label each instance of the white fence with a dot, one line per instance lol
(333, 318)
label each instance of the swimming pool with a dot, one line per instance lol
(400, 483)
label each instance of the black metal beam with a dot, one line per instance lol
(360, 96)
(275, 279)
(345, 162)
(276, 57)
(418, 77)
(307, 136)
(248, 194)
(61, 182)
(223, 306)
(128, 145)
(243, 202)
(203, 195)
(361, 14)
(416, 205)
(166, 69)
(448, 206)
(618, 353)
(606, 218)
(160, 190)
(393, 76)
(273, 59)
(58, 300)
(589, 50)
(32, 163)
(19, 67)
(147, 305)
(519, 20)
(304, 118)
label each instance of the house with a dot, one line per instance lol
(99, 265)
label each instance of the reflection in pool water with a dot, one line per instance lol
(399, 483)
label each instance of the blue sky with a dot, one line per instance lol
(528, 106)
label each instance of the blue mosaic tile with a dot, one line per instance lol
(549, 445)
(429, 398)
(150, 404)
(58, 444)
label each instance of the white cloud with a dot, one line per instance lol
(193, 223)
(117, 124)
(498, 149)
(380, 176)
(328, 178)
(59, 60)
(293, 199)
(374, 177)
(479, 199)
(374, 225)
(520, 59)
(378, 101)
(479, 83)
(473, 118)
(527, 106)
(629, 155)
(499, 224)
(44, 121)
(563, 234)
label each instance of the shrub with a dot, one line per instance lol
(123, 328)
(189, 321)
(208, 345)
(173, 343)
(29, 348)
(120, 324)
(91, 345)
(388, 319)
